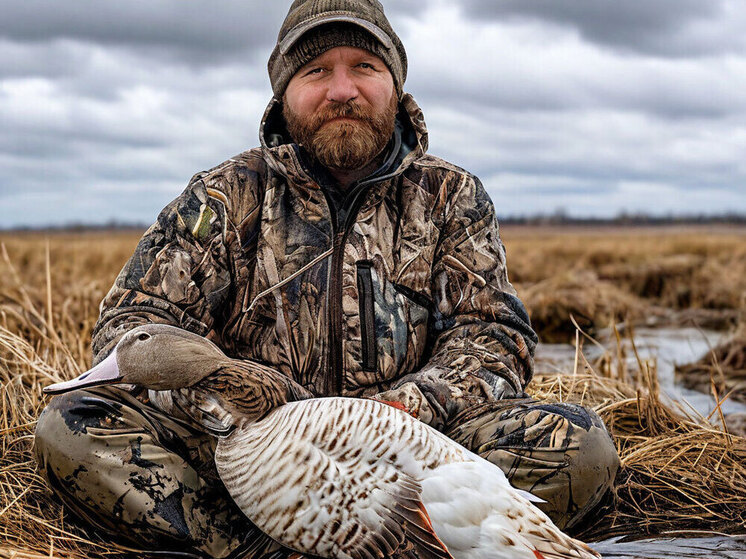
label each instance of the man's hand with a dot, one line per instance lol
(409, 399)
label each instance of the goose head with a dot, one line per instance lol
(154, 356)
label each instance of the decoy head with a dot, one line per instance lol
(155, 356)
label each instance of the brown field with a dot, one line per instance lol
(679, 472)
(665, 275)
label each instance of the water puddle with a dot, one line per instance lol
(719, 547)
(667, 346)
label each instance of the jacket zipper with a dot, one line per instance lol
(367, 314)
(334, 381)
(334, 326)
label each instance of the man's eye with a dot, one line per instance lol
(314, 71)
(367, 66)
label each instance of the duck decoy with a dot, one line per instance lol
(343, 478)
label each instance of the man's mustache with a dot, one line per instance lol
(341, 110)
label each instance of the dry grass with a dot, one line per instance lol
(48, 305)
(697, 274)
(723, 367)
(581, 294)
(678, 471)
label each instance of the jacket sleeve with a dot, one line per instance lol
(482, 340)
(178, 275)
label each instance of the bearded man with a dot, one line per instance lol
(347, 258)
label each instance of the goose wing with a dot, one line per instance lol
(390, 521)
(481, 516)
(198, 408)
(334, 478)
(205, 408)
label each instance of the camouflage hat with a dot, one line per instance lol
(314, 26)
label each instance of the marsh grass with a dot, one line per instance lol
(48, 305)
(660, 275)
(680, 472)
(723, 367)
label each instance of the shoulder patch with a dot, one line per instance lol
(201, 228)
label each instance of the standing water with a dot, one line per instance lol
(668, 347)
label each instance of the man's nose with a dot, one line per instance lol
(342, 87)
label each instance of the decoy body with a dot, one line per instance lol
(333, 477)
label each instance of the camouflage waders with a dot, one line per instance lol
(131, 470)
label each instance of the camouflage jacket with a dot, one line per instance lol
(398, 282)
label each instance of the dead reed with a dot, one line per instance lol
(723, 367)
(581, 294)
(48, 305)
(692, 275)
(679, 472)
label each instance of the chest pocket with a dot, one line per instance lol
(393, 325)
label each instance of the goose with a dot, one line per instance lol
(343, 478)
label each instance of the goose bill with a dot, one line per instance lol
(106, 372)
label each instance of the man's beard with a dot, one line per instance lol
(345, 144)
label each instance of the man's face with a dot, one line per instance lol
(341, 107)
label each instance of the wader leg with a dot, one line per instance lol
(559, 452)
(138, 474)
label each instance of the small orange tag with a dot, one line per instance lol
(397, 405)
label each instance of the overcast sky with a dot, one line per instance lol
(107, 108)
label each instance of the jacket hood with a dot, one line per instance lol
(410, 140)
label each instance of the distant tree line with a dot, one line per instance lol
(558, 218)
(114, 226)
(625, 219)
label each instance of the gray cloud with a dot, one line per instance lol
(198, 30)
(661, 27)
(525, 66)
(107, 109)
(599, 146)
(195, 32)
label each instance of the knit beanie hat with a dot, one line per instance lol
(312, 27)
